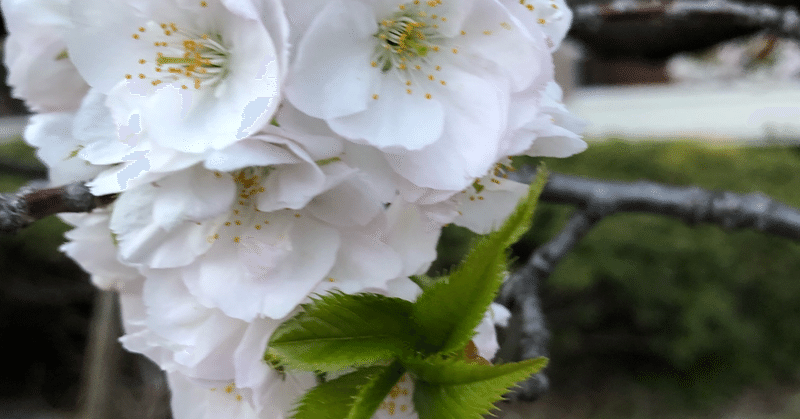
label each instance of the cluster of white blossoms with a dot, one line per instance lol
(265, 151)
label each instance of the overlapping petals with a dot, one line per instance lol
(429, 83)
(202, 75)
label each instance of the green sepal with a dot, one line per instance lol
(356, 395)
(453, 389)
(339, 331)
(448, 311)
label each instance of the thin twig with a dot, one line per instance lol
(28, 205)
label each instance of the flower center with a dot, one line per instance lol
(203, 60)
(182, 56)
(407, 37)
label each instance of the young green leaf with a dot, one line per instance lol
(339, 331)
(424, 281)
(356, 395)
(451, 389)
(454, 371)
(448, 311)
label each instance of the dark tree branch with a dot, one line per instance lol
(28, 205)
(659, 28)
(542, 263)
(528, 336)
(691, 204)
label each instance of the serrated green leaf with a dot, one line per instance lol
(458, 390)
(339, 331)
(453, 371)
(424, 281)
(448, 311)
(356, 395)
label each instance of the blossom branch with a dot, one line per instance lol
(20, 209)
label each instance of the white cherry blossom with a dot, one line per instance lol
(427, 82)
(553, 17)
(39, 67)
(201, 74)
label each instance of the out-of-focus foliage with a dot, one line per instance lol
(45, 301)
(694, 308)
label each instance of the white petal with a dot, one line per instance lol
(331, 76)
(553, 17)
(396, 119)
(203, 339)
(169, 226)
(92, 246)
(413, 236)
(51, 133)
(485, 211)
(493, 36)
(191, 400)
(364, 262)
(348, 202)
(249, 153)
(268, 271)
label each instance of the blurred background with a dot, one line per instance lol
(650, 318)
